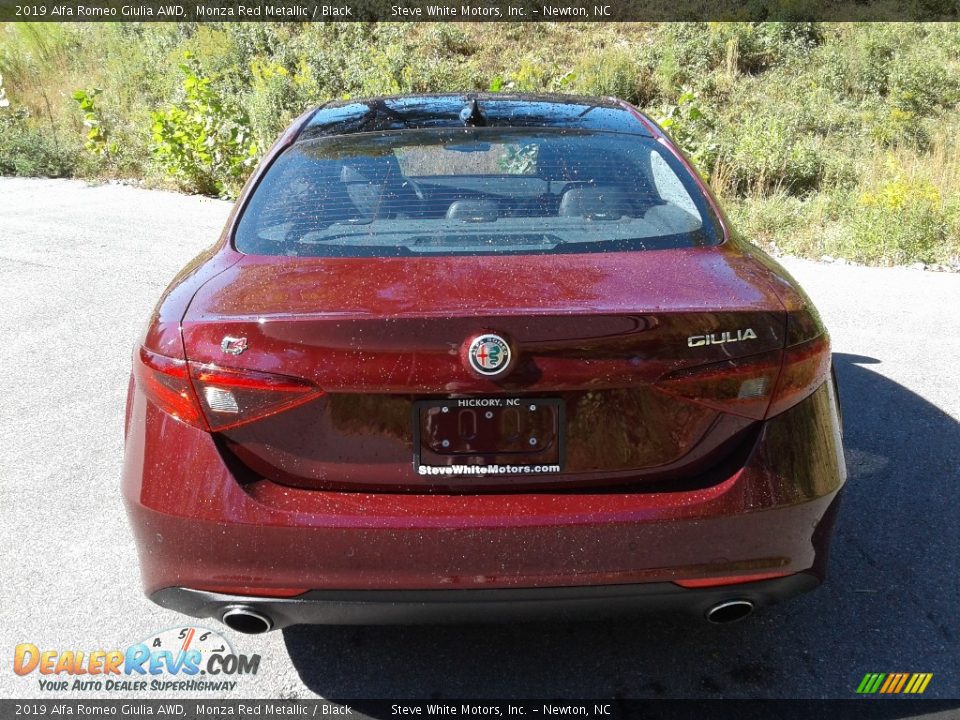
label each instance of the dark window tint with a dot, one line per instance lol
(474, 190)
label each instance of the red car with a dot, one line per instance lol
(490, 356)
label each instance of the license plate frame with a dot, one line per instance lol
(502, 441)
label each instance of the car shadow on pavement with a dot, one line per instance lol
(890, 603)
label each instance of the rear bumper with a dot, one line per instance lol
(197, 527)
(348, 607)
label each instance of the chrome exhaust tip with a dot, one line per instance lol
(246, 620)
(729, 611)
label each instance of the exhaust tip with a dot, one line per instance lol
(246, 620)
(729, 611)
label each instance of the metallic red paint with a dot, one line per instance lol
(210, 531)
(689, 491)
(388, 328)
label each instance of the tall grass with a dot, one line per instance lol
(821, 139)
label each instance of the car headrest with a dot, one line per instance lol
(602, 203)
(368, 170)
(473, 211)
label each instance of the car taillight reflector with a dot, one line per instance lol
(756, 387)
(729, 580)
(251, 591)
(214, 398)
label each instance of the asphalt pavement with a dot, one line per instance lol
(80, 269)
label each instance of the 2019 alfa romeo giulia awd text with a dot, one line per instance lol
(479, 356)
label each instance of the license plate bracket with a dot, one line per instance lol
(489, 436)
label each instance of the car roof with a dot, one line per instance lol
(416, 112)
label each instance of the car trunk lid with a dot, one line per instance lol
(594, 336)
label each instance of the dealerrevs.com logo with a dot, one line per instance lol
(189, 659)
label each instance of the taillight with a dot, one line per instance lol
(234, 397)
(758, 386)
(741, 386)
(806, 359)
(805, 368)
(166, 382)
(214, 398)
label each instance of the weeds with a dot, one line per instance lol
(820, 138)
(203, 142)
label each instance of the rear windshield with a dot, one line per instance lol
(474, 191)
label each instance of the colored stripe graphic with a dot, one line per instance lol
(894, 683)
(903, 679)
(918, 683)
(891, 681)
(870, 683)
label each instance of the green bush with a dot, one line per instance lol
(755, 47)
(903, 219)
(96, 141)
(276, 96)
(530, 76)
(766, 152)
(890, 126)
(768, 219)
(921, 85)
(445, 39)
(789, 224)
(861, 67)
(203, 142)
(691, 127)
(614, 72)
(694, 49)
(785, 119)
(28, 150)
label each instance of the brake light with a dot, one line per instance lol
(166, 382)
(806, 359)
(214, 398)
(759, 386)
(234, 397)
(742, 386)
(805, 368)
